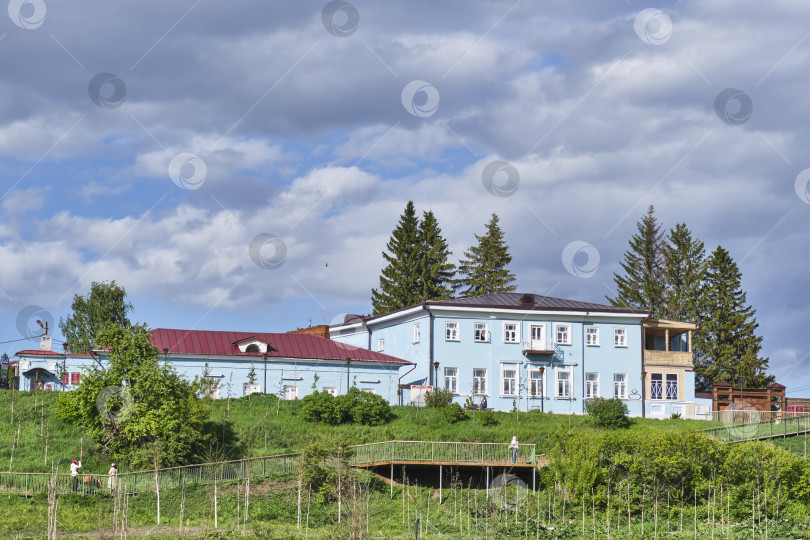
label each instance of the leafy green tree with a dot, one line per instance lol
(136, 403)
(726, 344)
(435, 271)
(103, 306)
(685, 271)
(644, 281)
(485, 266)
(399, 280)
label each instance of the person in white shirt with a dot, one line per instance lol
(112, 477)
(74, 473)
(513, 446)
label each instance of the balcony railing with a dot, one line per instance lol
(534, 346)
(669, 358)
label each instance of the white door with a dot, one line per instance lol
(538, 337)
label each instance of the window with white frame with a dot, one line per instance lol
(451, 379)
(481, 335)
(536, 386)
(592, 336)
(620, 337)
(510, 333)
(417, 333)
(290, 391)
(330, 390)
(251, 388)
(509, 380)
(656, 386)
(451, 331)
(564, 383)
(380, 345)
(562, 334)
(671, 387)
(591, 385)
(620, 385)
(479, 381)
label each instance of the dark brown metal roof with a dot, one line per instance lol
(511, 300)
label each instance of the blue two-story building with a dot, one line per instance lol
(525, 351)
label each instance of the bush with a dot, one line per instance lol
(438, 398)
(454, 413)
(608, 413)
(487, 418)
(355, 407)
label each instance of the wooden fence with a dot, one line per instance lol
(362, 455)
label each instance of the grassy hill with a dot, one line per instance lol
(265, 426)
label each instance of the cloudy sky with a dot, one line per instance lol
(154, 143)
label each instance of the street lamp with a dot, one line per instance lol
(436, 374)
(348, 368)
(542, 388)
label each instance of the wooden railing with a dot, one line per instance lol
(669, 358)
(787, 426)
(204, 473)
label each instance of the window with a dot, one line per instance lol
(592, 336)
(252, 348)
(564, 383)
(479, 381)
(620, 337)
(671, 389)
(535, 383)
(509, 380)
(251, 388)
(563, 334)
(451, 331)
(591, 385)
(451, 379)
(510, 333)
(290, 391)
(656, 386)
(481, 332)
(417, 333)
(538, 337)
(620, 385)
(368, 390)
(330, 390)
(380, 345)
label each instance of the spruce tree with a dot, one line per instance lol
(399, 282)
(435, 272)
(643, 283)
(484, 268)
(685, 270)
(726, 345)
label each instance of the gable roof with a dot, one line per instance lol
(223, 343)
(512, 300)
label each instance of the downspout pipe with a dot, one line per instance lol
(399, 381)
(582, 344)
(643, 371)
(426, 307)
(97, 361)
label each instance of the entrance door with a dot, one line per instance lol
(538, 337)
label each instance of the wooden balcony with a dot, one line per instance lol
(668, 358)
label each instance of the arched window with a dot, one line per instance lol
(252, 348)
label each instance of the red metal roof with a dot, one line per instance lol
(220, 343)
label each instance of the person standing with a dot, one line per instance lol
(112, 478)
(74, 474)
(513, 446)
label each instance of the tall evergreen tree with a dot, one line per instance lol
(726, 345)
(435, 271)
(484, 267)
(685, 270)
(399, 282)
(643, 283)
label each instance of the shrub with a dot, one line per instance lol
(454, 413)
(608, 413)
(438, 398)
(355, 407)
(487, 418)
(675, 416)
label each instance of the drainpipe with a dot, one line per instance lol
(582, 344)
(430, 358)
(97, 361)
(643, 372)
(399, 381)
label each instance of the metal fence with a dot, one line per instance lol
(362, 455)
(752, 417)
(442, 452)
(792, 425)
